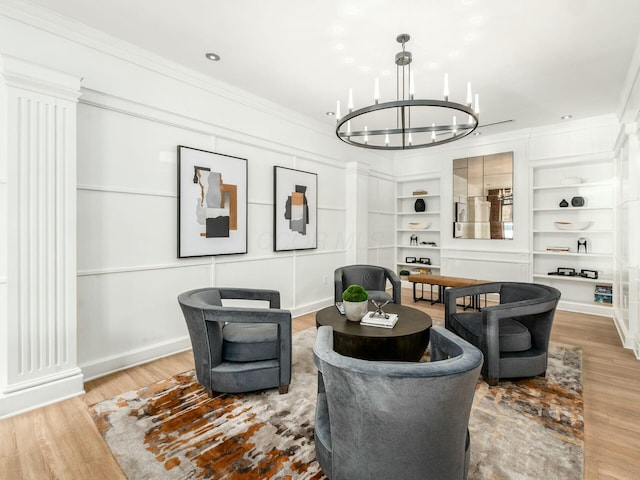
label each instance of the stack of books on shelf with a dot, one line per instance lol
(557, 249)
(603, 295)
(371, 320)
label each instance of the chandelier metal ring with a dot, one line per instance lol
(403, 130)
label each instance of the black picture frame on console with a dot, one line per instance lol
(212, 203)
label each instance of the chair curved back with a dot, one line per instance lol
(220, 336)
(405, 420)
(372, 277)
(526, 310)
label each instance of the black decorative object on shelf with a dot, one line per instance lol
(420, 205)
(582, 242)
(430, 244)
(564, 203)
(577, 201)
(413, 240)
(424, 260)
(571, 272)
(564, 271)
(410, 259)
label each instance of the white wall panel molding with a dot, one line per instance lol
(152, 113)
(486, 265)
(129, 191)
(571, 159)
(281, 255)
(314, 253)
(39, 319)
(144, 268)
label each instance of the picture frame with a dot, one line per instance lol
(212, 203)
(295, 209)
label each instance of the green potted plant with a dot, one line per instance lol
(355, 300)
(404, 274)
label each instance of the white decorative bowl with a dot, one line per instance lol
(572, 225)
(419, 225)
(570, 181)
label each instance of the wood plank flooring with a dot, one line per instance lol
(60, 441)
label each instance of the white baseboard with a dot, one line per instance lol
(311, 307)
(45, 393)
(114, 363)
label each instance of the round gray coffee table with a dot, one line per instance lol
(405, 342)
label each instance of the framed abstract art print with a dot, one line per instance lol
(295, 222)
(212, 203)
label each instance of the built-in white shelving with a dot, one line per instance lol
(591, 178)
(406, 213)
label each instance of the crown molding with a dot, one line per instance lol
(97, 40)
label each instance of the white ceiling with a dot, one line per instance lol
(531, 61)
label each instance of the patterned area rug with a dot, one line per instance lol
(530, 429)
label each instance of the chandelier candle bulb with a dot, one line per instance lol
(446, 87)
(376, 90)
(366, 137)
(412, 86)
(350, 104)
(469, 97)
(433, 133)
(386, 139)
(455, 130)
(338, 116)
(410, 139)
(477, 104)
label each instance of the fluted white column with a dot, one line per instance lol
(38, 241)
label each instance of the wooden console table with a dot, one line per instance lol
(443, 282)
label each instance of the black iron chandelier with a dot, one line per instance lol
(407, 123)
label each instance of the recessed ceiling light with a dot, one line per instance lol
(214, 57)
(566, 117)
(331, 114)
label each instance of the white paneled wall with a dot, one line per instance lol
(129, 275)
(135, 109)
(381, 219)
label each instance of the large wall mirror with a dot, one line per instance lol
(483, 197)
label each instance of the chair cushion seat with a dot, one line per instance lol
(514, 336)
(249, 342)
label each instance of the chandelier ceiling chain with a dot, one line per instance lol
(418, 122)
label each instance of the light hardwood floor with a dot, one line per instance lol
(60, 441)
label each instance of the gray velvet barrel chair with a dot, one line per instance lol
(238, 349)
(514, 334)
(374, 280)
(385, 420)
